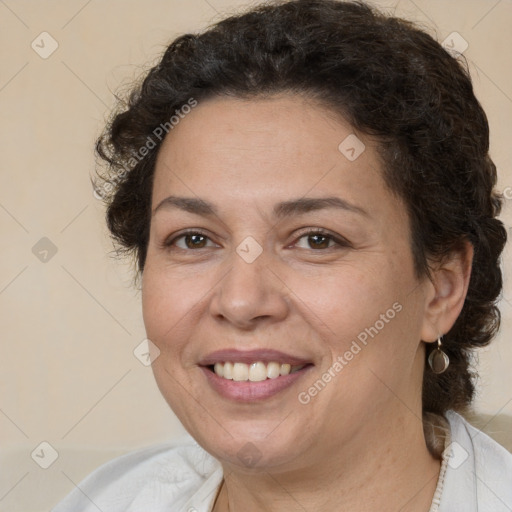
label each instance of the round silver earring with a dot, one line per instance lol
(438, 360)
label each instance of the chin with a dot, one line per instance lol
(252, 448)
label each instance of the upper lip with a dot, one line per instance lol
(251, 356)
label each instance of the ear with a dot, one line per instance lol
(447, 292)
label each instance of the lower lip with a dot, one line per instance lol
(247, 391)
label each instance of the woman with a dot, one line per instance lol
(308, 193)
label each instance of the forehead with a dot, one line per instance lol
(280, 122)
(282, 141)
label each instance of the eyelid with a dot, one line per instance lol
(170, 240)
(337, 239)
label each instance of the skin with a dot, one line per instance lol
(361, 438)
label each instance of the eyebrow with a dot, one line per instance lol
(281, 210)
(309, 204)
(187, 204)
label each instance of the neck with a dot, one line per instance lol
(390, 470)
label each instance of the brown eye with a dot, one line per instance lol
(316, 241)
(189, 241)
(196, 241)
(319, 241)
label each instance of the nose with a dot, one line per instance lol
(250, 294)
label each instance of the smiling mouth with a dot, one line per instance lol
(254, 372)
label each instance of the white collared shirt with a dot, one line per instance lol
(477, 478)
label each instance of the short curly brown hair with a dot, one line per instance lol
(390, 80)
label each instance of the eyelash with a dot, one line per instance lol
(168, 243)
(339, 241)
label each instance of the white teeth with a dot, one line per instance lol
(227, 371)
(255, 372)
(273, 370)
(219, 369)
(240, 372)
(285, 369)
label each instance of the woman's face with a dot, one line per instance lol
(296, 254)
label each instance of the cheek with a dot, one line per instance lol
(168, 305)
(345, 300)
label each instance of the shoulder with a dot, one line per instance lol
(479, 471)
(151, 478)
(488, 454)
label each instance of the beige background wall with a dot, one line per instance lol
(69, 325)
